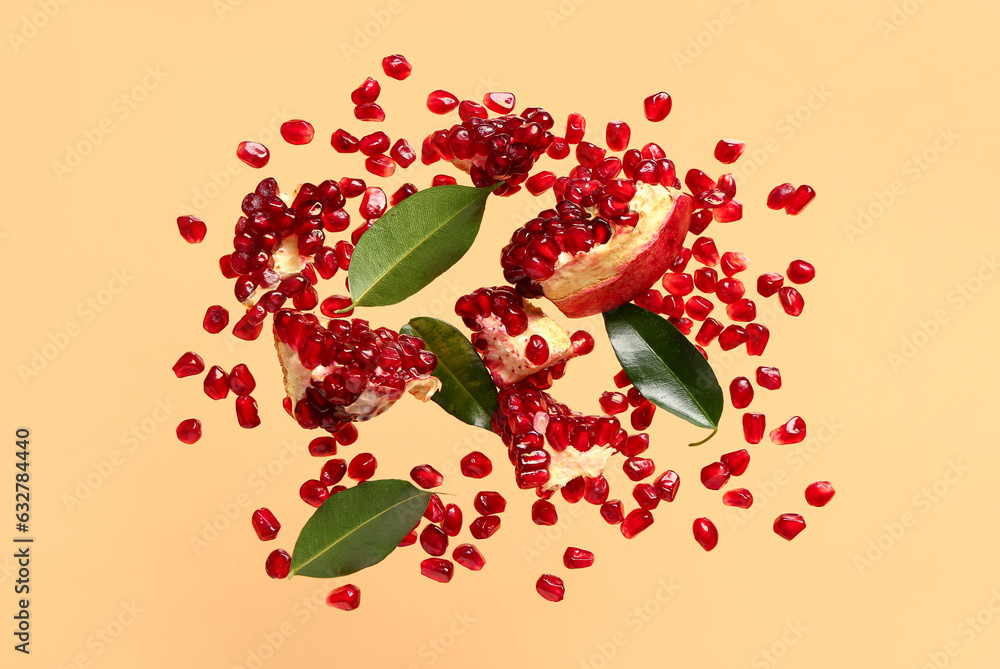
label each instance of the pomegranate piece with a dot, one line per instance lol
(613, 511)
(368, 91)
(757, 337)
(313, 492)
(369, 112)
(791, 301)
(469, 557)
(708, 331)
(576, 128)
(799, 271)
(543, 512)
(344, 142)
(769, 283)
(374, 144)
(216, 319)
(738, 497)
(396, 66)
(333, 471)
(740, 392)
(769, 378)
(705, 533)
(618, 135)
(646, 496)
(753, 427)
(577, 558)
(729, 150)
(278, 563)
(362, 467)
(484, 527)
(189, 431)
(216, 383)
(246, 411)
(241, 381)
(489, 503)
(635, 522)
(452, 523)
(729, 290)
(780, 196)
(265, 524)
(657, 106)
(253, 154)
(434, 540)
(189, 364)
(667, 484)
(297, 131)
(819, 493)
(550, 587)
(426, 477)
(791, 432)
(736, 461)
(732, 337)
(636, 469)
(441, 102)
(788, 525)
(438, 569)
(476, 465)
(715, 475)
(346, 597)
(192, 229)
(799, 200)
(742, 310)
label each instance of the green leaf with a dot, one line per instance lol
(467, 390)
(414, 243)
(357, 528)
(666, 368)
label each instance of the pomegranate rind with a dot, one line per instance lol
(612, 274)
(505, 356)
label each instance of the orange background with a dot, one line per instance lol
(885, 108)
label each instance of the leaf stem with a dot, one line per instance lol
(699, 443)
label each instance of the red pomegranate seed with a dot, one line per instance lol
(742, 310)
(753, 427)
(635, 444)
(635, 522)
(468, 109)
(757, 336)
(572, 492)
(621, 379)
(322, 447)
(769, 378)
(253, 154)
(426, 477)
(344, 142)
(799, 271)
(596, 490)
(501, 103)
(313, 493)
(738, 497)
(452, 523)
(347, 435)
(683, 324)
(241, 381)
(484, 527)
(216, 383)
(705, 279)
(265, 524)
(488, 503)
(536, 350)
(189, 431)
(819, 493)
(362, 467)
(733, 263)
(543, 512)
(667, 484)
(297, 132)
(396, 66)
(373, 203)
(369, 112)
(380, 165)
(788, 525)
(403, 192)
(729, 290)
(799, 200)
(715, 475)
(740, 392)
(216, 319)
(434, 541)
(346, 597)
(476, 465)
(613, 403)
(540, 182)
(678, 285)
(189, 364)
(732, 337)
(704, 251)
(375, 143)
(736, 461)
(642, 416)
(709, 330)
(409, 539)
(700, 220)
(469, 557)
(436, 510)
(657, 106)
(728, 150)
(646, 496)
(769, 283)
(558, 149)
(441, 102)
(437, 569)
(333, 471)
(278, 564)
(705, 533)
(634, 397)
(779, 196)
(577, 558)
(589, 155)
(367, 92)
(791, 301)
(402, 152)
(582, 341)
(576, 127)
(613, 511)
(330, 307)
(791, 432)
(246, 411)
(618, 135)
(698, 308)
(550, 587)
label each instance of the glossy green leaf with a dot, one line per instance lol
(414, 243)
(467, 390)
(357, 528)
(666, 368)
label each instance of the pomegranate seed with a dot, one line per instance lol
(738, 497)
(791, 301)
(540, 182)
(297, 132)
(700, 220)
(577, 558)
(715, 475)
(489, 503)
(757, 337)
(791, 432)
(799, 271)
(278, 564)
(635, 444)
(684, 325)
(642, 415)
(216, 383)
(434, 540)
(728, 212)
(536, 350)
(246, 411)
(333, 471)
(484, 527)
(436, 510)
(740, 392)
(732, 337)
(769, 378)
(646, 496)
(468, 109)
(742, 310)
(437, 569)
(501, 103)
(705, 533)
(369, 112)
(635, 522)
(788, 525)
(476, 465)
(347, 435)
(753, 427)
(657, 106)
(550, 587)
(709, 330)
(396, 66)
(452, 523)
(189, 431)
(409, 539)
(367, 92)
(216, 319)
(313, 493)
(375, 143)
(189, 364)
(636, 469)
(265, 524)
(699, 308)
(819, 493)
(582, 341)
(576, 127)
(681, 260)
(426, 477)
(667, 484)
(253, 154)
(613, 403)
(373, 203)
(596, 489)
(736, 461)
(729, 290)
(346, 597)
(404, 155)
(621, 379)
(705, 279)
(799, 200)
(330, 307)
(241, 381)
(469, 557)
(322, 447)
(441, 102)
(344, 142)
(362, 467)
(698, 182)
(403, 192)
(779, 196)
(734, 263)
(572, 492)
(678, 284)
(613, 512)
(543, 512)
(729, 150)
(617, 135)
(380, 165)
(704, 251)
(768, 284)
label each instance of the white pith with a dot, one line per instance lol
(505, 356)
(286, 259)
(567, 465)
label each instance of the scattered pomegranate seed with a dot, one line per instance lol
(330, 307)
(452, 523)
(246, 411)
(437, 569)
(347, 434)
(550, 587)
(729, 290)
(381, 165)
(362, 467)
(367, 92)
(434, 540)
(636, 469)
(738, 497)
(577, 558)
(253, 154)
(216, 319)
(241, 381)
(732, 337)
(333, 471)
(733, 263)
(753, 427)
(369, 112)
(613, 403)
(757, 337)
(403, 192)
(740, 392)
(322, 447)
(443, 180)
(576, 128)
(484, 527)
(278, 563)
(543, 512)
(344, 142)
(476, 465)
(403, 154)
(374, 144)
(558, 149)
(704, 251)
(698, 307)
(426, 477)
(646, 496)
(736, 461)
(613, 511)
(799, 271)
(396, 66)
(709, 330)
(216, 383)
(657, 106)
(469, 557)
(705, 279)
(265, 524)
(715, 475)
(729, 150)
(436, 510)
(189, 364)
(489, 503)
(618, 135)
(678, 284)
(791, 432)
(742, 310)
(769, 378)
(501, 103)
(409, 539)
(621, 379)
(192, 229)
(540, 182)
(297, 132)
(635, 522)
(791, 301)
(346, 597)
(189, 431)
(313, 492)
(819, 493)
(642, 416)
(768, 284)
(705, 533)
(799, 200)
(779, 196)
(441, 102)
(596, 490)
(788, 525)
